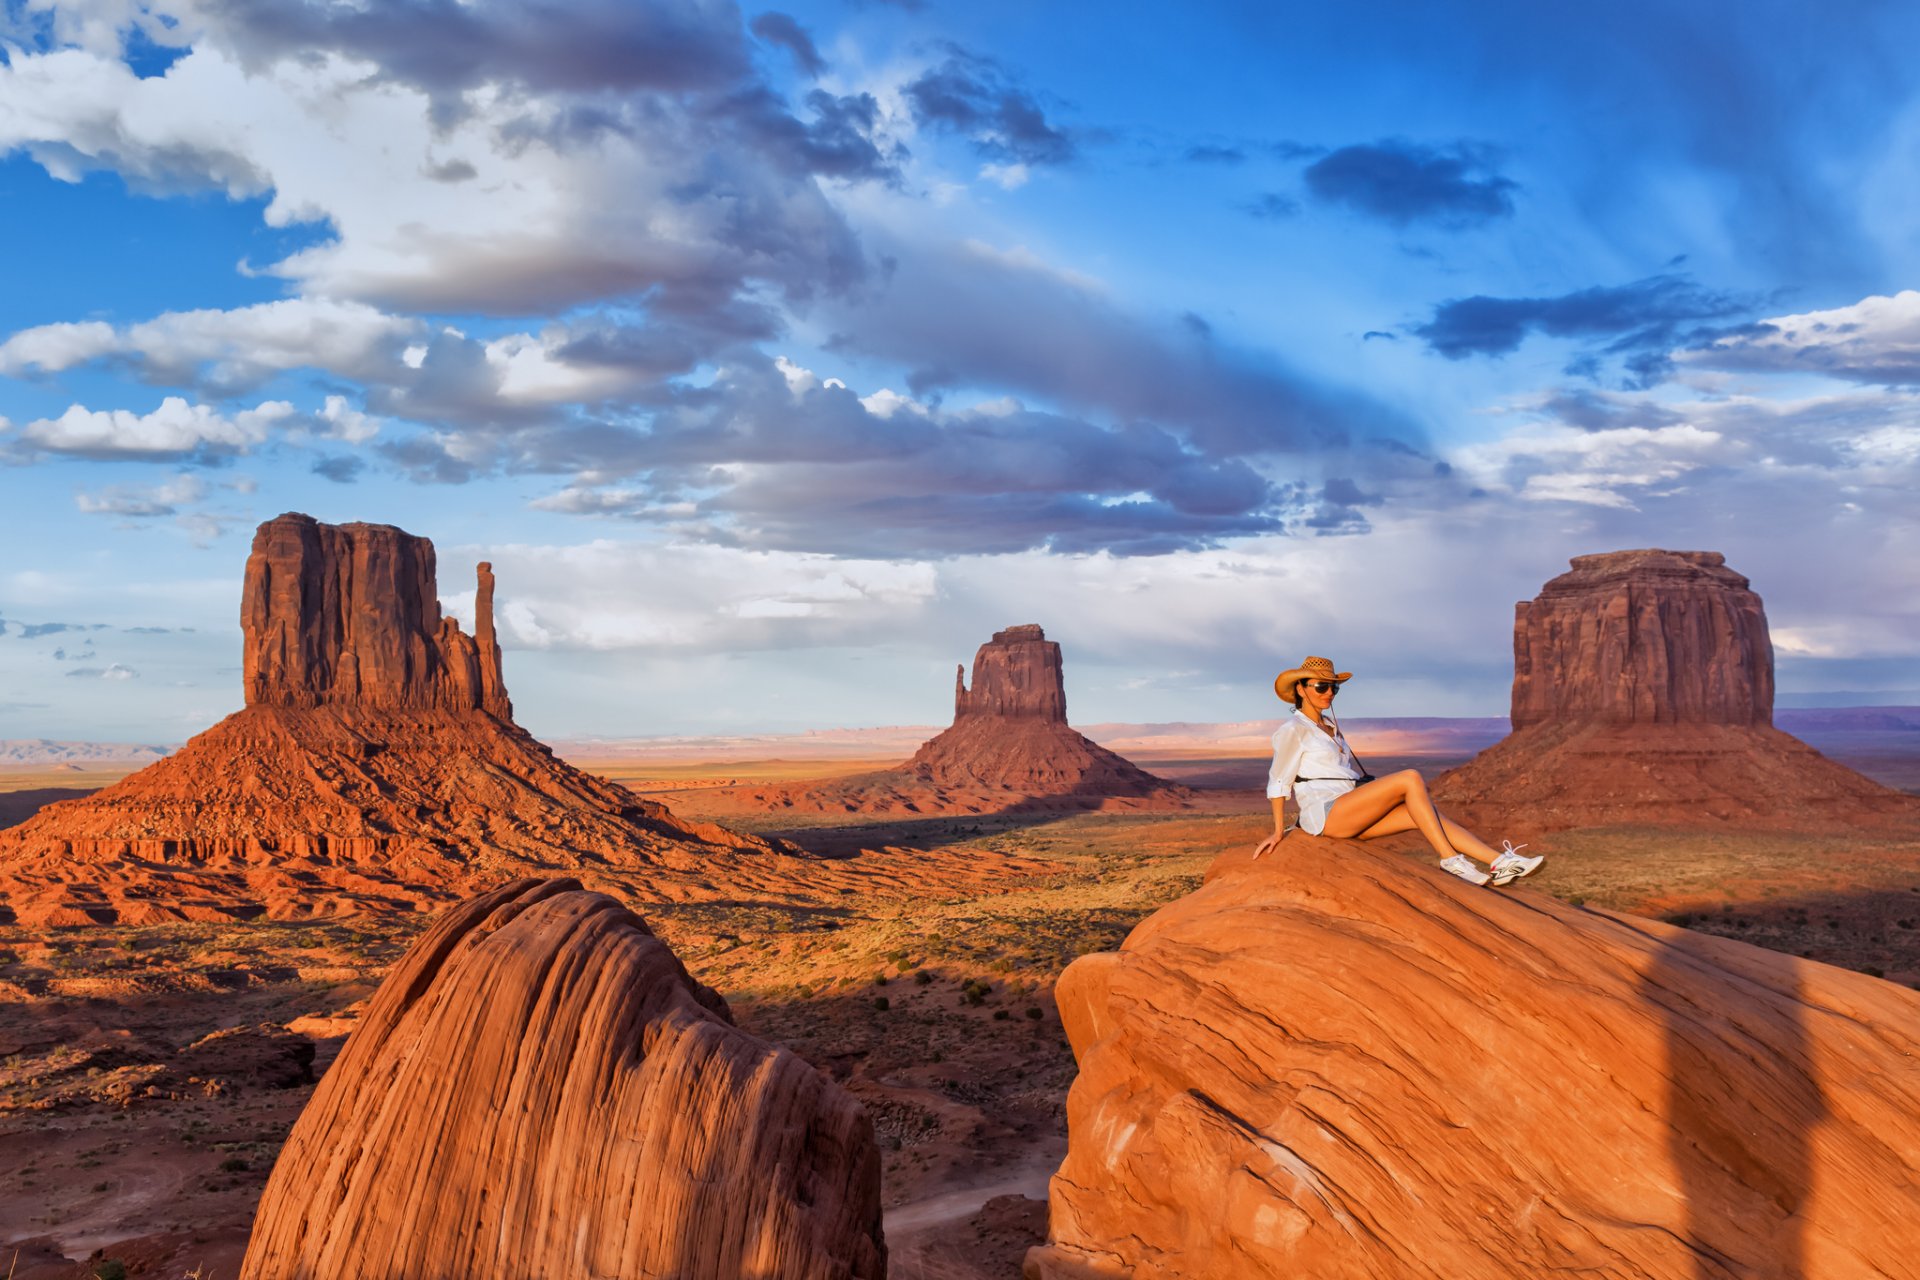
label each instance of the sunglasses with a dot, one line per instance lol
(1323, 686)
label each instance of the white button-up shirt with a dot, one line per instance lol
(1302, 750)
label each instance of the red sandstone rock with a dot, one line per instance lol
(1342, 1062)
(1643, 637)
(1017, 673)
(1643, 693)
(540, 1089)
(375, 767)
(1009, 747)
(350, 615)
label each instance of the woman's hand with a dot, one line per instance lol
(1270, 842)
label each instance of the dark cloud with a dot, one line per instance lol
(1645, 315)
(782, 30)
(975, 97)
(751, 461)
(1271, 206)
(34, 630)
(1382, 334)
(339, 468)
(837, 143)
(1402, 182)
(448, 46)
(1004, 322)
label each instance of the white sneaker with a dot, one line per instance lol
(1462, 866)
(1509, 866)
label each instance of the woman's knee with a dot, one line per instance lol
(1410, 779)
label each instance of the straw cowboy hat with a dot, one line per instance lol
(1311, 669)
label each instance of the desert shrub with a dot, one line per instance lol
(880, 979)
(233, 1164)
(1033, 1011)
(923, 977)
(110, 1269)
(882, 1003)
(1000, 1015)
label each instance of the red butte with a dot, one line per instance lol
(375, 767)
(1643, 693)
(540, 1089)
(1343, 1062)
(1009, 747)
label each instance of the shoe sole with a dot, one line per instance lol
(1501, 881)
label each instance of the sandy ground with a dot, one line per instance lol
(148, 1076)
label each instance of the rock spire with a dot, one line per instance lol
(1018, 674)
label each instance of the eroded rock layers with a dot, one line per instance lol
(375, 767)
(1643, 693)
(1339, 1062)
(540, 1089)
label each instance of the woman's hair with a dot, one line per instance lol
(1296, 695)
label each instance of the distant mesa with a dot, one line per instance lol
(376, 767)
(1009, 747)
(1343, 1062)
(540, 1089)
(1643, 693)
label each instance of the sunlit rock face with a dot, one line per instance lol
(1643, 637)
(1338, 1061)
(1643, 693)
(540, 1089)
(376, 767)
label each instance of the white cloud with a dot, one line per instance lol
(1874, 340)
(174, 429)
(162, 499)
(607, 595)
(235, 348)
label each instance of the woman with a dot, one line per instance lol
(1312, 761)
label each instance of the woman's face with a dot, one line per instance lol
(1311, 695)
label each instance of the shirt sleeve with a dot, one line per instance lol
(1288, 749)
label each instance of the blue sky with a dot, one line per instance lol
(777, 356)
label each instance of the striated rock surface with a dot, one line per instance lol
(1643, 693)
(375, 767)
(1018, 673)
(1643, 637)
(1343, 1062)
(350, 615)
(1009, 747)
(540, 1089)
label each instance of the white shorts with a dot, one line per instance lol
(1315, 796)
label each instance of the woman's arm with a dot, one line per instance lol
(1288, 749)
(1279, 825)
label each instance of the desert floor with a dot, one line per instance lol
(148, 1076)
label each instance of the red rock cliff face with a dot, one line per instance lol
(1340, 1062)
(540, 1089)
(350, 615)
(1643, 637)
(1643, 693)
(1017, 673)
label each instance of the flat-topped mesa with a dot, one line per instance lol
(1643, 637)
(349, 615)
(1017, 673)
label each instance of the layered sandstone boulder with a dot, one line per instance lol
(540, 1089)
(1643, 693)
(375, 767)
(1009, 747)
(1342, 1062)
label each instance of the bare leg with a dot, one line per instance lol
(1458, 836)
(1364, 806)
